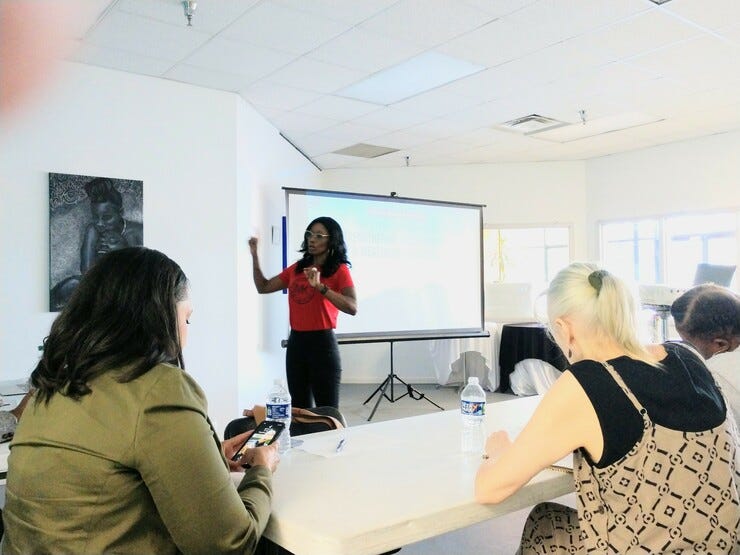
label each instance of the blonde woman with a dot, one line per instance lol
(656, 455)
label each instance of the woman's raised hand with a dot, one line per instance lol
(313, 276)
(253, 245)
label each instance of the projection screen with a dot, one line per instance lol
(416, 264)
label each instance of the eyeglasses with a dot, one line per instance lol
(311, 235)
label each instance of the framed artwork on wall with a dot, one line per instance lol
(88, 217)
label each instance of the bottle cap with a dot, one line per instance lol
(473, 379)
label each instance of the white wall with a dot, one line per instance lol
(689, 176)
(205, 158)
(514, 194)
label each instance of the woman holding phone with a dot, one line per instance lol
(115, 452)
(319, 286)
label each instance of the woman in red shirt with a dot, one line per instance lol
(319, 286)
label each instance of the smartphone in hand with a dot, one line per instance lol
(264, 434)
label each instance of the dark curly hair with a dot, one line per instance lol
(337, 254)
(707, 312)
(123, 315)
(101, 189)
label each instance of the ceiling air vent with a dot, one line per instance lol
(533, 123)
(363, 150)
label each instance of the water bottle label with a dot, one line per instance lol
(278, 412)
(473, 408)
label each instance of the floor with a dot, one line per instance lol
(494, 537)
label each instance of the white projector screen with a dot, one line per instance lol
(416, 264)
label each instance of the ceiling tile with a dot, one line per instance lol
(334, 138)
(140, 35)
(208, 17)
(401, 139)
(496, 43)
(340, 10)
(389, 117)
(491, 84)
(334, 161)
(365, 51)
(443, 128)
(206, 77)
(608, 78)
(436, 103)
(559, 61)
(119, 59)
(76, 23)
(712, 15)
(500, 8)
(338, 108)
(270, 114)
(275, 26)
(225, 55)
(551, 19)
(731, 33)
(703, 58)
(277, 96)
(641, 33)
(296, 125)
(434, 21)
(482, 136)
(313, 75)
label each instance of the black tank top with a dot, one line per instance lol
(680, 395)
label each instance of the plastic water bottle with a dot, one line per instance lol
(279, 409)
(473, 411)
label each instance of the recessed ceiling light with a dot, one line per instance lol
(659, 2)
(363, 150)
(414, 76)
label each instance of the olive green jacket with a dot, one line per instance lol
(130, 468)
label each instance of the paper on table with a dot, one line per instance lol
(324, 446)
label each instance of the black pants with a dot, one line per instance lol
(313, 368)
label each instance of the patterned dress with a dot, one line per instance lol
(674, 492)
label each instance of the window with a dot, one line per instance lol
(630, 249)
(526, 254)
(668, 249)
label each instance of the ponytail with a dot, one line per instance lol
(604, 302)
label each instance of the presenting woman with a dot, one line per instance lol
(115, 452)
(656, 454)
(319, 286)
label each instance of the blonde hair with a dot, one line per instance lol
(602, 301)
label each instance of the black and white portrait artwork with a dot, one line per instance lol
(88, 217)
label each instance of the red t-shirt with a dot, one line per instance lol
(309, 309)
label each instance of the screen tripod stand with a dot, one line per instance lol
(415, 394)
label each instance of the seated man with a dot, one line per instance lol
(708, 317)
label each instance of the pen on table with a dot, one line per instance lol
(340, 446)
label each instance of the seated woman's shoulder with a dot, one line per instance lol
(168, 381)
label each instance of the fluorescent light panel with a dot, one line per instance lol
(414, 76)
